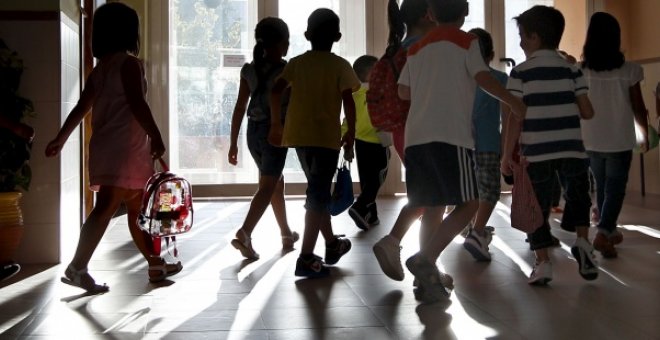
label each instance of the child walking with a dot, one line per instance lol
(486, 117)
(257, 78)
(320, 81)
(439, 161)
(124, 128)
(414, 20)
(555, 93)
(609, 138)
(372, 157)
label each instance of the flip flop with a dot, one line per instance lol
(74, 277)
(166, 270)
(245, 247)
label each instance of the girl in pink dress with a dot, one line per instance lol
(124, 142)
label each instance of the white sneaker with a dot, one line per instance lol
(542, 273)
(388, 254)
(583, 252)
(477, 245)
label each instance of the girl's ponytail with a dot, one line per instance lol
(396, 25)
(258, 53)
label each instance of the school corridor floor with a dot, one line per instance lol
(221, 296)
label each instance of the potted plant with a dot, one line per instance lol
(15, 147)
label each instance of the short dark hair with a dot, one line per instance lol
(322, 26)
(115, 28)
(547, 22)
(485, 42)
(448, 10)
(363, 65)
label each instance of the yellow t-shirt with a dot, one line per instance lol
(317, 80)
(364, 131)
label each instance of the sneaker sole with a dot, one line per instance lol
(476, 252)
(381, 257)
(540, 282)
(578, 257)
(360, 222)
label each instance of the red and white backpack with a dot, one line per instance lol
(167, 208)
(386, 110)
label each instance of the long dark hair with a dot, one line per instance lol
(602, 48)
(401, 19)
(269, 32)
(115, 28)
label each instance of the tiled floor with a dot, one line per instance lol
(221, 296)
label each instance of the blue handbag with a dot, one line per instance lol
(342, 194)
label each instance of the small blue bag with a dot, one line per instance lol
(342, 194)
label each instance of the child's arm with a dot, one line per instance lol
(131, 78)
(641, 114)
(510, 135)
(489, 84)
(348, 139)
(584, 105)
(21, 130)
(237, 120)
(275, 133)
(72, 120)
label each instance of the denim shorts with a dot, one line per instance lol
(575, 186)
(269, 159)
(319, 165)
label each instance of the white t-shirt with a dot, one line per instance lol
(440, 72)
(612, 129)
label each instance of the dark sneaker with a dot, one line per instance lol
(603, 244)
(359, 216)
(616, 237)
(372, 217)
(311, 267)
(583, 253)
(428, 277)
(337, 249)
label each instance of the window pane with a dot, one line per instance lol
(209, 41)
(476, 17)
(512, 9)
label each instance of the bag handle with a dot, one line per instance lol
(163, 165)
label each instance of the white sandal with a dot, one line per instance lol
(74, 277)
(289, 241)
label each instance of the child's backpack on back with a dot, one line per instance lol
(387, 111)
(167, 208)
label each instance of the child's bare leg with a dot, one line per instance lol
(279, 207)
(406, 218)
(258, 206)
(108, 200)
(313, 221)
(430, 223)
(448, 228)
(483, 215)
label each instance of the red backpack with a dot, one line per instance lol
(386, 110)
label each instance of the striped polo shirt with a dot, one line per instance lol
(549, 86)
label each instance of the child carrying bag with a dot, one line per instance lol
(526, 214)
(167, 208)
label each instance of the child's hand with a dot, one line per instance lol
(505, 166)
(347, 142)
(54, 147)
(24, 131)
(157, 148)
(275, 135)
(232, 156)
